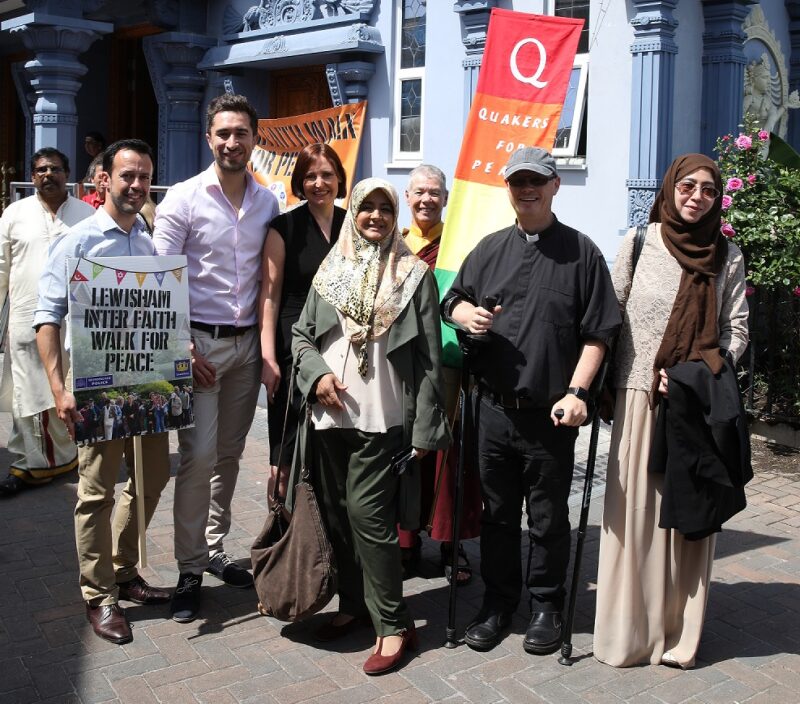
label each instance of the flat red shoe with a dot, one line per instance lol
(378, 664)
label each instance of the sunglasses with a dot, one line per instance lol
(528, 181)
(687, 188)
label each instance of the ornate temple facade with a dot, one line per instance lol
(653, 78)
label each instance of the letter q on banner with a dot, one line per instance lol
(515, 67)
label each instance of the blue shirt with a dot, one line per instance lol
(97, 236)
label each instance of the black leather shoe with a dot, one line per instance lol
(139, 591)
(186, 600)
(12, 485)
(486, 629)
(544, 633)
(110, 623)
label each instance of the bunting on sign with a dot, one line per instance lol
(140, 277)
(520, 94)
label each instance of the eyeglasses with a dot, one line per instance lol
(687, 188)
(42, 170)
(528, 181)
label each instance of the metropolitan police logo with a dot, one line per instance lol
(182, 368)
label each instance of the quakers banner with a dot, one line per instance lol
(129, 345)
(280, 141)
(518, 101)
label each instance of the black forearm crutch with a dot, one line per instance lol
(566, 643)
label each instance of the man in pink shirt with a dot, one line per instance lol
(219, 220)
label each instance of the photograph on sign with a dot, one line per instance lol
(129, 344)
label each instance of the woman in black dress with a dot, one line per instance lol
(296, 244)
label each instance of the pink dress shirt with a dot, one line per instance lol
(223, 246)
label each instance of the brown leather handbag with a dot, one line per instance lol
(294, 569)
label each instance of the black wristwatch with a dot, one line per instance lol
(580, 392)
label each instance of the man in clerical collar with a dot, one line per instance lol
(550, 312)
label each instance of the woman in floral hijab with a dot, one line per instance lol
(367, 351)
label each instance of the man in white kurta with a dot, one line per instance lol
(39, 443)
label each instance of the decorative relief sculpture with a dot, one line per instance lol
(272, 13)
(766, 86)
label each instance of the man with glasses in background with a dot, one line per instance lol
(540, 294)
(39, 443)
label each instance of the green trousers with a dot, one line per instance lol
(358, 499)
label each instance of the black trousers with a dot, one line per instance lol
(522, 456)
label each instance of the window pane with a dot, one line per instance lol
(412, 47)
(410, 113)
(580, 10)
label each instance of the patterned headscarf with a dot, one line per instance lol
(370, 283)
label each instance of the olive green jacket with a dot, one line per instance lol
(414, 351)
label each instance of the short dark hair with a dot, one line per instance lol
(303, 163)
(231, 103)
(97, 137)
(135, 145)
(49, 153)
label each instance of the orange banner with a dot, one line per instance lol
(280, 141)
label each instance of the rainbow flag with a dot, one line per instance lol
(520, 93)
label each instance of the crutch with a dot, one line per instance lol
(467, 343)
(566, 643)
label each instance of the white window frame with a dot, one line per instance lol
(401, 75)
(579, 109)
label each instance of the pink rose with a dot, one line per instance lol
(796, 291)
(750, 290)
(763, 135)
(727, 230)
(743, 142)
(726, 202)
(726, 138)
(734, 184)
(751, 179)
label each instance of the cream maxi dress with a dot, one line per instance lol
(652, 585)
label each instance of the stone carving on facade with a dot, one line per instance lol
(766, 86)
(274, 45)
(273, 13)
(640, 202)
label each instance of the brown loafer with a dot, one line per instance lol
(378, 664)
(110, 623)
(140, 592)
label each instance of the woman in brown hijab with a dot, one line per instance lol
(682, 301)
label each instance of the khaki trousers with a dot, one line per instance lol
(108, 553)
(210, 451)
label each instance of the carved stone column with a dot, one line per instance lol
(652, 86)
(723, 69)
(179, 87)
(55, 73)
(793, 9)
(474, 26)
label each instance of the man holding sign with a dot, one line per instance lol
(107, 554)
(540, 295)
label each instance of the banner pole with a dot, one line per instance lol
(138, 481)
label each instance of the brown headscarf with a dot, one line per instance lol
(701, 249)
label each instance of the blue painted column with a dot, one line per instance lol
(652, 87)
(723, 69)
(474, 26)
(55, 73)
(172, 59)
(793, 9)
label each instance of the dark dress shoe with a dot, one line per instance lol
(544, 633)
(12, 485)
(140, 592)
(486, 629)
(378, 664)
(330, 631)
(110, 623)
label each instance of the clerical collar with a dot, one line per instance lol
(536, 236)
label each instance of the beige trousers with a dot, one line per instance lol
(210, 451)
(108, 552)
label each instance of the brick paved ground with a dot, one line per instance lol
(750, 651)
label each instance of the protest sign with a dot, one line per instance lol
(518, 101)
(280, 141)
(129, 342)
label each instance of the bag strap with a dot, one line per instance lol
(275, 489)
(638, 245)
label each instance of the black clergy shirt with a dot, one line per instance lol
(556, 294)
